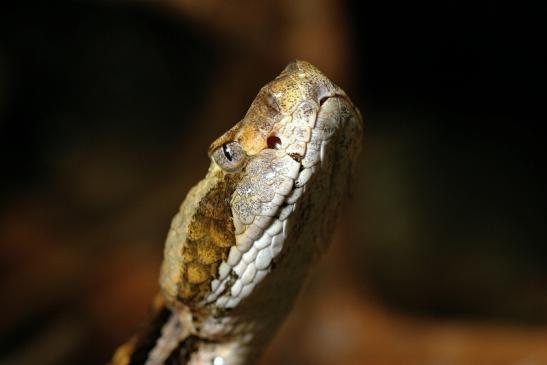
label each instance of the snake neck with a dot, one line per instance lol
(178, 337)
(181, 335)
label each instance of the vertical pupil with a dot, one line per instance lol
(227, 152)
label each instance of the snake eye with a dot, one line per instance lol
(230, 156)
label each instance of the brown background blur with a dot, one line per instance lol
(106, 112)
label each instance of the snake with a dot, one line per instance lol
(246, 236)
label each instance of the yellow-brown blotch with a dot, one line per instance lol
(197, 228)
(196, 273)
(222, 233)
(210, 236)
(207, 252)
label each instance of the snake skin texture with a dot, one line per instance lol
(245, 237)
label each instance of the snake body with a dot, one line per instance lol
(246, 235)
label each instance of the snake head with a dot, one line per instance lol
(273, 186)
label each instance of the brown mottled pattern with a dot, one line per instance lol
(210, 236)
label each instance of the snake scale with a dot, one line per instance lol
(246, 235)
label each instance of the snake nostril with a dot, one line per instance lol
(273, 142)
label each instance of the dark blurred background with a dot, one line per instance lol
(106, 113)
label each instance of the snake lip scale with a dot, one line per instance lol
(245, 237)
